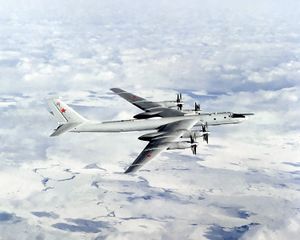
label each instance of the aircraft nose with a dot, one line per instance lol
(237, 115)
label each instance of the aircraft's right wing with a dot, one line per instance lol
(146, 105)
(169, 133)
(137, 101)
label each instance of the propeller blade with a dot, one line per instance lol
(178, 97)
(179, 106)
(197, 107)
(193, 143)
(194, 149)
(204, 127)
(193, 138)
(179, 101)
(205, 138)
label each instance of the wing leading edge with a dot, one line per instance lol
(137, 101)
(156, 145)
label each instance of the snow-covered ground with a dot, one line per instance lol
(229, 57)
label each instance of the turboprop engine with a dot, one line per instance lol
(196, 109)
(193, 134)
(185, 144)
(178, 103)
(179, 145)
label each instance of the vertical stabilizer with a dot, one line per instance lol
(64, 113)
(66, 117)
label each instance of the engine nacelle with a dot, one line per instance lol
(150, 136)
(194, 133)
(146, 115)
(179, 145)
(169, 104)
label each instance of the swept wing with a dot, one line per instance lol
(151, 108)
(166, 135)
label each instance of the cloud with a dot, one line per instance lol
(290, 230)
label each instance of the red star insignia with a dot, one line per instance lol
(62, 110)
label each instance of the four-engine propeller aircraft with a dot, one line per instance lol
(172, 127)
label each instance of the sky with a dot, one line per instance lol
(241, 56)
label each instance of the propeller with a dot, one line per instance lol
(179, 101)
(204, 129)
(193, 144)
(197, 107)
(205, 138)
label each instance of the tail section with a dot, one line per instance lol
(66, 117)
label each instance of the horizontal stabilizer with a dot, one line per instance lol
(64, 128)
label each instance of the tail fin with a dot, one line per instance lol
(66, 117)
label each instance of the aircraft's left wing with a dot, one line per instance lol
(169, 133)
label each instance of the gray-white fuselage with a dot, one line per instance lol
(212, 119)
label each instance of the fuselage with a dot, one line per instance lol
(211, 119)
(168, 128)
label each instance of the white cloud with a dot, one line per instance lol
(289, 230)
